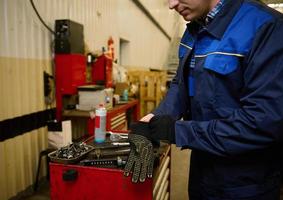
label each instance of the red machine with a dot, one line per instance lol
(70, 70)
(102, 71)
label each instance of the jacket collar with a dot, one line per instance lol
(221, 21)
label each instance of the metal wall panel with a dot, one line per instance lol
(21, 86)
(19, 157)
(26, 52)
(167, 18)
(148, 45)
(24, 36)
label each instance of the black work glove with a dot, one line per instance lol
(143, 128)
(140, 160)
(162, 127)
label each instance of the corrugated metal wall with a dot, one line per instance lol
(148, 46)
(101, 19)
(26, 52)
(159, 9)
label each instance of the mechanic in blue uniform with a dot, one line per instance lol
(226, 100)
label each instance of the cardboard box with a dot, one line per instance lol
(91, 96)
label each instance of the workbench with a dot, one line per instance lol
(117, 118)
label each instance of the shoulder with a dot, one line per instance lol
(253, 9)
(254, 18)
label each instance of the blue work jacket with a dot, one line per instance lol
(233, 119)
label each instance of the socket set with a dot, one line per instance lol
(70, 154)
(114, 162)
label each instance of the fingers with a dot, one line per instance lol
(130, 163)
(144, 158)
(150, 165)
(137, 169)
(140, 158)
(147, 118)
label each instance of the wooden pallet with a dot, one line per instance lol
(151, 88)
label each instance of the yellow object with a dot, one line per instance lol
(151, 88)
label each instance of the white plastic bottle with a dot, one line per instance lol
(100, 124)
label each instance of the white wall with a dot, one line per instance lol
(25, 37)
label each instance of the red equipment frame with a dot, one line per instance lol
(102, 71)
(70, 72)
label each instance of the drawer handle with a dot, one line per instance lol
(70, 175)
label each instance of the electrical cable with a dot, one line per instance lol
(41, 20)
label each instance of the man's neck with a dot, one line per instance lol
(213, 4)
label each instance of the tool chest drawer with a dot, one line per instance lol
(161, 186)
(88, 182)
(117, 121)
(80, 182)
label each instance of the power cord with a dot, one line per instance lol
(41, 20)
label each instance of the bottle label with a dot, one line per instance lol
(100, 129)
(97, 122)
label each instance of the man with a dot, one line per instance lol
(226, 101)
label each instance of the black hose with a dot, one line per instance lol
(35, 10)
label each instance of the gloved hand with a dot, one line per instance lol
(143, 128)
(162, 127)
(143, 134)
(140, 160)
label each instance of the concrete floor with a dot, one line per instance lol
(42, 193)
(179, 173)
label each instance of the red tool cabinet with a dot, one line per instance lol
(107, 184)
(102, 183)
(116, 116)
(96, 183)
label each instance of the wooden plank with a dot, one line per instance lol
(152, 87)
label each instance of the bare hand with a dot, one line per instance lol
(147, 117)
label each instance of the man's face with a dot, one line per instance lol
(192, 9)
